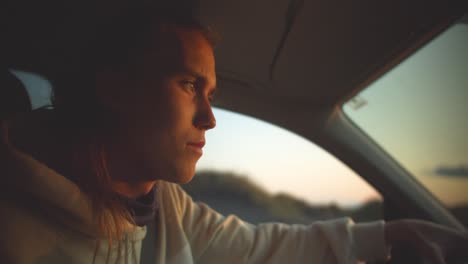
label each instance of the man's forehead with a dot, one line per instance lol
(182, 41)
(196, 56)
(184, 51)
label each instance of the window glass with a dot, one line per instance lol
(418, 113)
(264, 173)
(39, 89)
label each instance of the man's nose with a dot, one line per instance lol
(204, 118)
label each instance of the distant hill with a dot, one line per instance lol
(230, 193)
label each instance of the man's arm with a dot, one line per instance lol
(217, 239)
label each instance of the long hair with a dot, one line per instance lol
(118, 44)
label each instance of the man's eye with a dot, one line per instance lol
(189, 85)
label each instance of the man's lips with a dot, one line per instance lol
(197, 146)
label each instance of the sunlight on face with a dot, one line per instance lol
(165, 115)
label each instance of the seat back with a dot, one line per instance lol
(14, 98)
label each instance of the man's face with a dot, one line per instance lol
(165, 110)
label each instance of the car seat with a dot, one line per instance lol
(14, 98)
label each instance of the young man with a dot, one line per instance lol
(103, 167)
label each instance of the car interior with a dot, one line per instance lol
(293, 63)
(304, 59)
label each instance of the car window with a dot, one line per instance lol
(264, 173)
(418, 113)
(39, 89)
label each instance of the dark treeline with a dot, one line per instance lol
(230, 193)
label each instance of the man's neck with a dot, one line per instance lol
(132, 190)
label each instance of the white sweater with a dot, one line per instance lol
(45, 218)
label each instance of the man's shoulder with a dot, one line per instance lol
(171, 189)
(173, 198)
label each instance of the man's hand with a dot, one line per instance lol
(434, 243)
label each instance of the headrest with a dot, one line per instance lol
(14, 98)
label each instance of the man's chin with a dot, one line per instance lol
(181, 177)
(186, 180)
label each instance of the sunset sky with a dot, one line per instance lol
(280, 161)
(418, 112)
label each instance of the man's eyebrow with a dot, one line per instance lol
(197, 75)
(191, 72)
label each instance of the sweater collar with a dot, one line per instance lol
(142, 209)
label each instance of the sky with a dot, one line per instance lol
(281, 161)
(418, 112)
